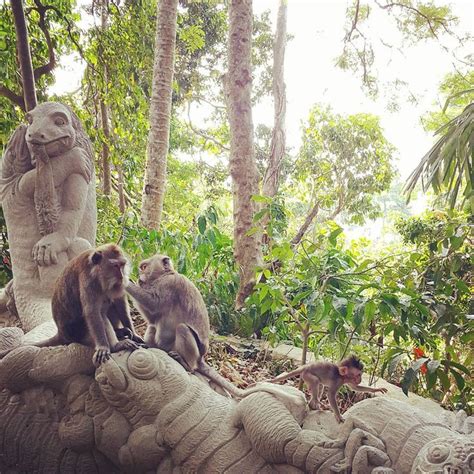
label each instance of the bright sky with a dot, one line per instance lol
(311, 76)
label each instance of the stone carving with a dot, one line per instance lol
(47, 191)
(142, 412)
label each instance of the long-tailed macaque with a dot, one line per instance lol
(177, 317)
(319, 374)
(89, 303)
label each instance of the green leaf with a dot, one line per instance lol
(201, 224)
(460, 382)
(408, 378)
(460, 367)
(431, 378)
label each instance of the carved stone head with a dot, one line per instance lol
(53, 125)
(454, 456)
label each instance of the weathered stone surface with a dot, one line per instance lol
(47, 191)
(142, 412)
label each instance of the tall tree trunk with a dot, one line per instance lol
(271, 180)
(243, 169)
(120, 189)
(24, 55)
(104, 113)
(160, 113)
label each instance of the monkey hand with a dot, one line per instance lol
(339, 419)
(101, 354)
(45, 251)
(381, 390)
(126, 345)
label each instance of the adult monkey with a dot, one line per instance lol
(47, 191)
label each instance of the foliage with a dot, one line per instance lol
(60, 24)
(328, 298)
(343, 162)
(202, 252)
(448, 167)
(409, 21)
(456, 91)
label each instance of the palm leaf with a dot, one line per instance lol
(448, 165)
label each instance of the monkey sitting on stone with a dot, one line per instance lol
(178, 322)
(319, 374)
(89, 303)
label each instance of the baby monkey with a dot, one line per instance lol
(320, 374)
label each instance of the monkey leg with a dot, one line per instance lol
(186, 346)
(315, 387)
(150, 336)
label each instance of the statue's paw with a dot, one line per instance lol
(10, 338)
(341, 466)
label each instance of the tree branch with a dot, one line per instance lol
(202, 134)
(51, 64)
(354, 22)
(418, 12)
(15, 98)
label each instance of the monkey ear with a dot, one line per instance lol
(96, 257)
(343, 370)
(166, 262)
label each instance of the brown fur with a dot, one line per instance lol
(317, 375)
(89, 302)
(177, 317)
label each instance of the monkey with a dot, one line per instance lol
(319, 374)
(89, 303)
(177, 317)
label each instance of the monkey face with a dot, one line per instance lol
(112, 267)
(152, 268)
(354, 376)
(50, 124)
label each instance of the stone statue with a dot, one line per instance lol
(142, 412)
(47, 191)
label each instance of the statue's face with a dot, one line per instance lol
(454, 456)
(50, 124)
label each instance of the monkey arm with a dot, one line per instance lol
(142, 297)
(74, 197)
(361, 388)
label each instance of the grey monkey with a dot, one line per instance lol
(177, 317)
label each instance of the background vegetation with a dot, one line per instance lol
(402, 304)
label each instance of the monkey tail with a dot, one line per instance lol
(52, 341)
(287, 376)
(217, 378)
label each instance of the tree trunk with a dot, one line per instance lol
(271, 180)
(24, 55)
(104, 113)
(243, 169)
(120, 189)
(160, 113)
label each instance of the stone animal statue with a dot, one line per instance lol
(47, 191)
(142, 412)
